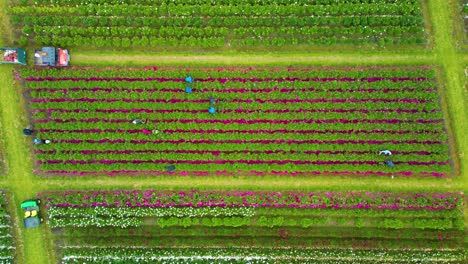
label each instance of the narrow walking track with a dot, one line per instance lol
(453, 65)
(320, 58)
(21, 182)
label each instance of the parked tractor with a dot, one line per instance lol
(31, 213)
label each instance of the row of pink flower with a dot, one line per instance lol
(196, 162)
(279, 162)
(246, 173)
(269, 199)
(224, 80)
(254, 131)
(247, 111)
(231, 90)
(261, 101)
(218, 152)
(243, 121)
(238, 141)
(256, 68)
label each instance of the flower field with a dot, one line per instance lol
(268, 121)
(151, 226)
(222, 24)
(7, 248)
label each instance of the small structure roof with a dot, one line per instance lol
(30, 203)
(45, 56)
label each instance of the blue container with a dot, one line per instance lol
(189, 79)
(211, 110)
(188, 89)
(389, 163)
(170, 168)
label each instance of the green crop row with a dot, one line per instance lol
(178, 9)
(232, 72)
(218, 25)
(259, 32)
(262, 221)
(147, 231)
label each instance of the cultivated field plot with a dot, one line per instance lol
(215, 24)
(7, 248)
(227, 226)
(285, 121)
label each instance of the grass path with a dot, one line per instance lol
(21, 182)
(453, 64)
(136, 58)
(19, 179)
(5, 23)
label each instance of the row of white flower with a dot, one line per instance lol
(95, 221)
(145, 211)
(191, 255)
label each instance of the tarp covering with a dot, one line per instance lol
(45, 57)
(31, 222)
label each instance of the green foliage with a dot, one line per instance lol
(233, 24)
(441, 224)
(391, 223)
(270, 221)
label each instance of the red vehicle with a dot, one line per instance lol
(50, 56)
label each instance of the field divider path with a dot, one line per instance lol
(19, 179)
(453, 65)
(84, 58)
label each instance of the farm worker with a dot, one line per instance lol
(212, 100)
(385, 152)
(155, 132)
(146, 131)
(170, 168)
(189, 79)
(137, 121)
(28, 131)
(211, 110)
(389, 163)
(41, 141)
(188, 89)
